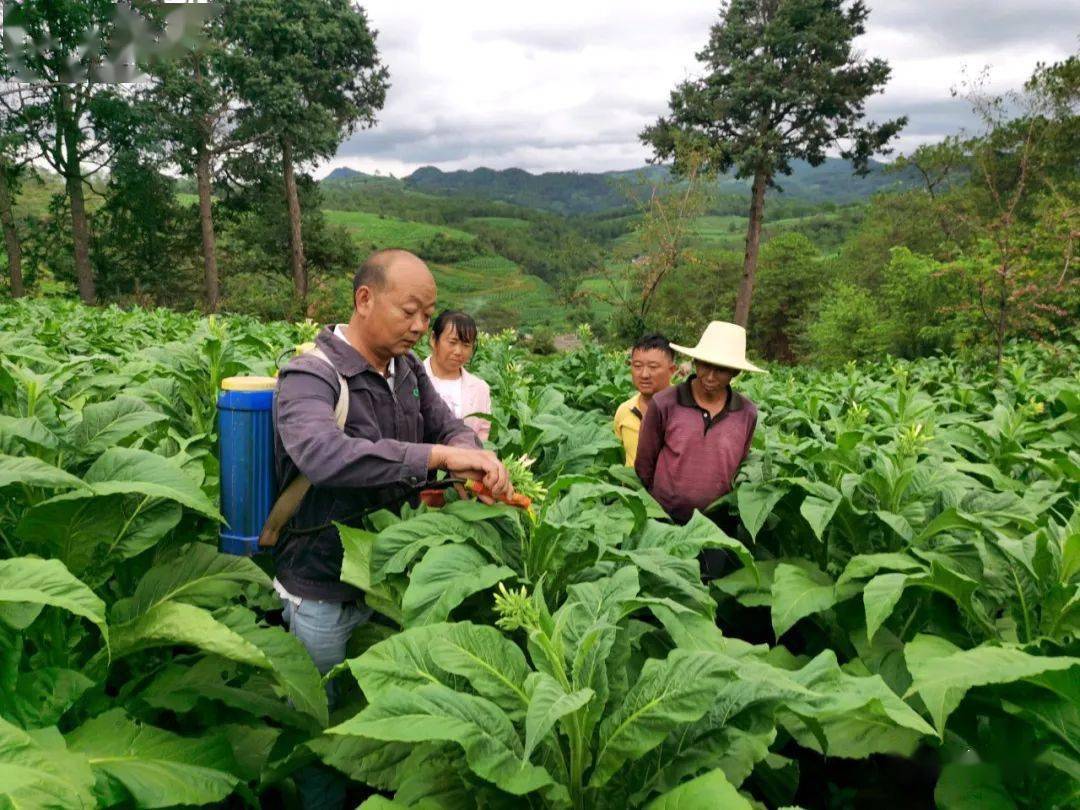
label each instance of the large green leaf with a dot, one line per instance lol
(158, 768)
(253, 746)
(1048, 713)
(177, 623)
(105, 424)
(370, 762)
(851, 716)
(493, 665)
(974, 786)
(127, 471)
(48, 582)
(603, 598)
(670, 577)
(292, 666)
(819, 512)
(78, 530)
(396, 546)
(357, 545)
(33, 472)
(180, 688)
(73, 531)
(750, 588)
(865, 566)
(688, 541)
(880, 597)
(197, 574)
(799, 590)
(942, 673)
(670, 692)
(444, 579)
(382, 803)
(435, 712)
(756, 502)
(548, 703)
(957, 586)
(710, 791)
(402, 661)
(591, 669)
(41, 697)
(27, 429)
(37, 771)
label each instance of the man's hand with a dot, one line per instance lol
(479, 465)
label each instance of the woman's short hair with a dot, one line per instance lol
(462, 322)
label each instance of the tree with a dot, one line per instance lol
(783, 83)
(138, 233)
(791, 279)
(69, 115)
(14, 159)
(660, 245)
(1020, 205)
(195, 119)
(308, 71)
(941, 167)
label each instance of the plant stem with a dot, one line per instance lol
(7, 543)
(576, 733)
(127, 523)
(1023, 605)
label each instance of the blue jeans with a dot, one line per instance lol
(324, 629)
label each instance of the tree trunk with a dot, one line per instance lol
(753, 244)
(11, 236)
(206, 221)
(211, 285)
(73, 180)
(296, 238)
(1002, 314)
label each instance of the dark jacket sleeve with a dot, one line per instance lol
(307, 394)
(650, 441)
(440, 424)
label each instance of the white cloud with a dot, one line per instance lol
(568, 85)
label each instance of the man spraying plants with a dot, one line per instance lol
(358, 425)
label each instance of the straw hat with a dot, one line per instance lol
(722, 344)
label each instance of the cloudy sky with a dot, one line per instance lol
(568, 84)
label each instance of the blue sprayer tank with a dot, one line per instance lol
(248, 486)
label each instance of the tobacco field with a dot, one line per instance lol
(898, 625)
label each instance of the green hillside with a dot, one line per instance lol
(383, 231)
(492, 288)
(498, 294)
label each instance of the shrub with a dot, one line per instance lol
(848, 325)
(266, 296)
(444, 249)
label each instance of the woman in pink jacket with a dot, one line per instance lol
(453, 340)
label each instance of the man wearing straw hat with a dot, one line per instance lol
(697, 434)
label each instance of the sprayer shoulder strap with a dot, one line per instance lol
(341, 407)
(289, 500)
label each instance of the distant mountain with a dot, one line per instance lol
(579, 192)
(345, 175)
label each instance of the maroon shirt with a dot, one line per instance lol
(687, 459)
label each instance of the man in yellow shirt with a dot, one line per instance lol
(652, 362)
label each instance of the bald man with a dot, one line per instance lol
(398, 431)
